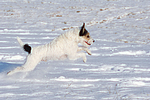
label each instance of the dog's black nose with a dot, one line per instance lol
(93, 40)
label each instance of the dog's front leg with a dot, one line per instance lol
(83, 55)
(77, 56)
(85, 49)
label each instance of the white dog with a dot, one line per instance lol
(62, 47)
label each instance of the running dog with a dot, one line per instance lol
(62, 47)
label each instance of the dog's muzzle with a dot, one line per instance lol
(89, 43)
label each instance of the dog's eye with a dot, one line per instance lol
(88, 36)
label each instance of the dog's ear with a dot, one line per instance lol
(82, 31)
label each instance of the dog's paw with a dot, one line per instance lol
(84, 60)
(9, 73)
(89, 52)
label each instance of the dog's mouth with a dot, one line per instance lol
(87, 43)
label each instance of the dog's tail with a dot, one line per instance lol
(26, 47)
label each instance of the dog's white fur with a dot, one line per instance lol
(62, 47)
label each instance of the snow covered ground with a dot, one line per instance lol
(117, 70)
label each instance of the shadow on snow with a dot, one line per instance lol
(4, 67)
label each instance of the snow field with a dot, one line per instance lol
(117, 70)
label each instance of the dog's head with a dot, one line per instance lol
(85, 38)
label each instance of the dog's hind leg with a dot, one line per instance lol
(18, 69)
(29, 65)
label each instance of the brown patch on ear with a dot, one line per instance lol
(87, 36)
